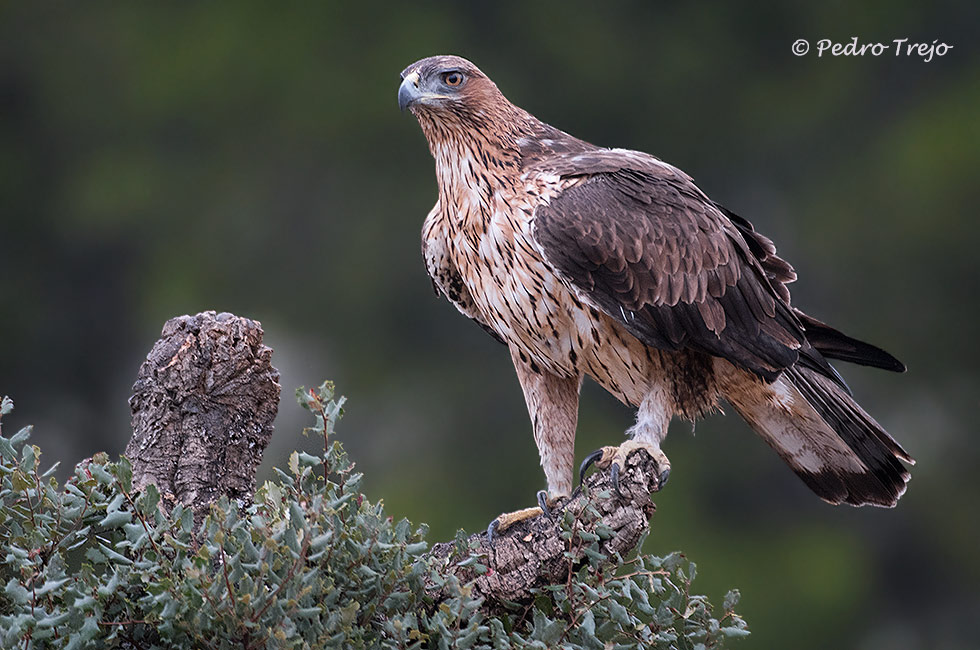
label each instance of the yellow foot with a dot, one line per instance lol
(614, 458)
(508, 519)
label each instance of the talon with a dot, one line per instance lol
(543, 504)
(601, 458)
(614, 477)
(615, 459)
(492, 530)
(587, 463)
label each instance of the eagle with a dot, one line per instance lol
(610, 263)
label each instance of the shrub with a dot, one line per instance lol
(310, 564)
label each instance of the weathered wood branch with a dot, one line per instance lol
(203, 409)
(532, 553)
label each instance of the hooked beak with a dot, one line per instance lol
(408, 92)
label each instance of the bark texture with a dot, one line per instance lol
(532, 553)
(203, 409)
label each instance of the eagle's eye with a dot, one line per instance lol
(453, 78)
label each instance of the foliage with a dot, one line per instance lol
(310, 564)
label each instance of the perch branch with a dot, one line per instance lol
(532, 553)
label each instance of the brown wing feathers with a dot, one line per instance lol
(778, 271)
(824, 338)
(837, 345)
(655, 254)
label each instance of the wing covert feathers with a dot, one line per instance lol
(648, 248)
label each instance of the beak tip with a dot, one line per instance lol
(408, 91)
(404, 98)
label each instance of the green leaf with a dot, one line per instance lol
(734, 632)
(150, 499)
(595, 555)
(349, 613)
(619, 613)
(20, 482)
(21, 436)
(546, 630)
(116, 519)
(588, 625)
(49, 586)
(305, 398)
(113, 555)
(53, 620)
(16, 592)
(731, 599)
(99, 474)
(124, 472)
(308, 460)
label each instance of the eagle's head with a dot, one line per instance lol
(461, 110)
(443, 85)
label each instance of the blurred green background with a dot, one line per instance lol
(162, 159)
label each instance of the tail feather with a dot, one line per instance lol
(831, 443)
(837, 345)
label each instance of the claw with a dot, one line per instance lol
(587, 463)
(614, 477)
(615, 459)
(492, 530)
(543, 504)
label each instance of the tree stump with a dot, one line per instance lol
(203, 409)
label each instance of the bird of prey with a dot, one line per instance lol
(585, 260)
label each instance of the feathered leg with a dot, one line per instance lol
(552, 403)
(652, 421)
